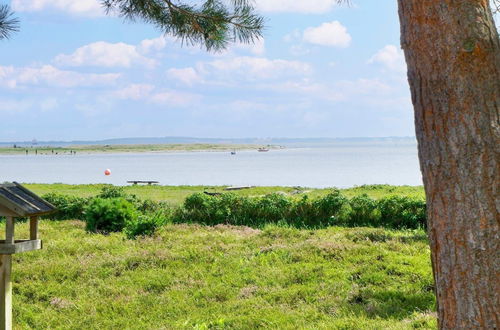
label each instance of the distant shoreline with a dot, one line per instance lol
(130, 148)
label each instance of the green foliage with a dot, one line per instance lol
(8, 23)
(142, 205)
(331, 209)
(109, 215)
(364, 211)
(272, 208)
(402, 212)
(112, 192)
(233, 209)
(145, 225)
(213, 23)
(68, 207)
(322, 210)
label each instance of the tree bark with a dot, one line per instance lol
(452, 50)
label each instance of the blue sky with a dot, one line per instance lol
(320, 71)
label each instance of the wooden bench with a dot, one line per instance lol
(136, 182)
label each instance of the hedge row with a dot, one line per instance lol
(396, 212)
(114, 210)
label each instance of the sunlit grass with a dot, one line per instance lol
(223, 277)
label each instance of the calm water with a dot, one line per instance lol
(325, 166)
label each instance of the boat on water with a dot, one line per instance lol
(262, 149)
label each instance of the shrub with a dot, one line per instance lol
(151, 206)
(273, 208)
(109, 215)
(331, 209)
(364, 211)
(145, 225)
(112, 192)
(68, 207)
(402, 212)
(233, 209)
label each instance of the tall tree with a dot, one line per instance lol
(8, 23)
(452, 50)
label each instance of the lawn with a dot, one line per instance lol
(223, 277)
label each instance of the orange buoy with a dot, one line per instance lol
(107, 172)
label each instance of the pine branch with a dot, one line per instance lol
(8, 23)
(495, 6)
(213, 23)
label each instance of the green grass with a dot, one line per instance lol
(91, 149)
(196, 277)
(176, 194)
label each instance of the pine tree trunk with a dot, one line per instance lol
(452, 50)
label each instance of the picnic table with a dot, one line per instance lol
(136, 182)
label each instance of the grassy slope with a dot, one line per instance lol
(225, 277)
(177, 194)
(130, 148)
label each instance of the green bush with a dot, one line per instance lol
(109, 215)
(112, 192)
(151, 206)
(212, 210)
(364, 211)
(402, 212)
(273, 208)
(144, 225)
(331, 209)
(68, 207)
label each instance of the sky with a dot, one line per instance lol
(321, 70)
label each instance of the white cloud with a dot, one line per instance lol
(187, 76)
(296, 6)
(7, 77)
(352, 91)
(149, 94)
(13, 106)
(174, 98)
(89, 8)
(332, 34)
(134, 92)
(105, 54)
(47, 75)
(391, 57)
(306, 88)
(258, 47)
(48, 104)
(149, 45)
(252, 68)
(363, 86)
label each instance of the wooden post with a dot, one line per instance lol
(5, 281)
(5, 292)
(33, 228)
(9, 230)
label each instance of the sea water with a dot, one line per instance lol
(328, 165)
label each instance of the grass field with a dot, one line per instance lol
(176, 194)
(91, 149)
(196, 277)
